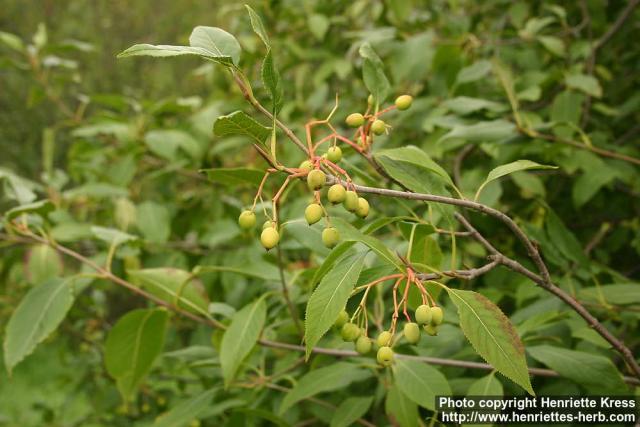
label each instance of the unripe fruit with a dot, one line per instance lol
(269, 238)
(363, 345)
(355, 120)
(342, 319)
(351, 201)
(384, 339)
(403, 102)
(350, 332)
(423, 314)
(385, 356)
(363, 207)
(437, 315)
(313, 213)
(412, 333)
(370, 100)
(334, 154)
(306, 165)
(330, 237)
(247, 220)
(431, 330)
(316, 179)
(378, 127)
(268, 223)
(336, 194)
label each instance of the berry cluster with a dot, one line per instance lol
(316, 168)
(355, 328)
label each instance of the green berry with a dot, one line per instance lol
(268, 223)
(423, 314)
(313, 213)
(336, 194)
(355, 120)
(370, 100)
(269, 238)
(431, 330)
(334, 154)
(350, 332)
(306, 165)
(316, 179)
(384, 339)
(363, 207)
(342, 319)
(437, 315)
(378, 127)
(385, 356)
(351, 201)
(363, 345)
(247, 220)
(412, 333)
(403, 102)
(330, 237)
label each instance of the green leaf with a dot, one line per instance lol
(488, 385)
(373, 73)
(154, 221)
(133, 344)
(166, 143)
(111, 236)
(489, 131)
(474, 72)
(186, 411)
(403, 410)
(258, 26)
(220, 44)
(414, 168)
(492, 335)
(585, 83)
(162, 51)
(591, 370)
(330, 297)
(462, 105)
(173, 286)
(318, 25)
(554, 45)
(43, 263)
(39, 313)
(518, 165)
(349, 233)
(564, 240)
(41, 207)
(617, 294)
(241, 337)
(420, 382)
(239, 123)
(234, 176)
(333, 377)
(350, 410)
(271, 80)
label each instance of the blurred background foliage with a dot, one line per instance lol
(118, 144)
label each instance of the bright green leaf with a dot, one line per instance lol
(235, 176)
(184, 412)
(239, 123)
(420, 382)
(350, 410)
(518, 165)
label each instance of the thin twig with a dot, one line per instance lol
(285, 294)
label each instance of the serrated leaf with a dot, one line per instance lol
(258, 26)
(271, 80)
(239, 123)
(330, 297)
(234, 176)
(219, 43)
(133, 344)
(333, 377)
(162, 51)
(350, 410)
(173, 286)
(509, 168)
(38, 314)
(403, 410)
(184, 412)
(241, 337)
(420, 382)
(591, 370)
(492, 335)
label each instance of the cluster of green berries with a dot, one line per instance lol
(427, 317)
(378, 127)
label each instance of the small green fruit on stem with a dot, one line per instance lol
(378, 127)
(385, 356)
(316, 179)
(350, 332)
(334, 154)
(363, 345)
(423, 314)
(437, 316)
(313, 213)
(330, 237)
(268, 223)
(306, 165)
(355, 120)
(403, 102)
(342, 319)
(336, 194)
(351, 201)
(384, 339)
(412, 333)
(247, 220)
(269, 237)
(363, 207)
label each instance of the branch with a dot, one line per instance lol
(593, 149)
